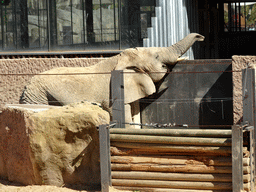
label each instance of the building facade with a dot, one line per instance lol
(110, 26)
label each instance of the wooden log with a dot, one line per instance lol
(165, 149)
(171, 176)
(172, 184)
(145, 189)
(175, 168)
(247, 178)
(171, 168)
(247, 186)
(175, 132)
(177, 160)
(171, 140)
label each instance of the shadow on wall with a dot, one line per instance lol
(194, 95)
(216, 107)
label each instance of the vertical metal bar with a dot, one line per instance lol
(249, 116)
(145, 42)
(252, 159)
(104, 158)
(248, 104)
(15, 24)
(2, 26)
(155, 38)
(169, 20)
(39, 24)
(48, 25)
(237, 158)
(119, 24)
(83, 5)
(239, 15)
(235, 16)
(117, 98)
(160, 25)
(114, 2)
(71, 32)
(150, 36)
(245, 16)
(101, 33)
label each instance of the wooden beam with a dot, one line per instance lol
(173, 184)
(172, 176)
(175, 132)
(177, 160)
(171, 140)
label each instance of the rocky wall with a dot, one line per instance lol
(16, 73)
(51, 145)
(239, 63)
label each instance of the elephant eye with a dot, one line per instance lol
(164, 66)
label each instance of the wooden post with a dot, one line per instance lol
(117, 98)
(237, 158)
(249, 115)
(105, 169)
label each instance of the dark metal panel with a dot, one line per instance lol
(248, 78)
(117, 98)
(237, 158)
(197, 92)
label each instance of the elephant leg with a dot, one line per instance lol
(135, 110)
(128, 116)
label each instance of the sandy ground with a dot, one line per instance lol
(6, 186)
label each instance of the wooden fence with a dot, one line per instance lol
(182, 159)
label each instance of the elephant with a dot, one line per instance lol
(138, 64)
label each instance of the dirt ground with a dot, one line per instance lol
(6, 186)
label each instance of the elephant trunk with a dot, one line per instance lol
(178, 49)
(183, 45)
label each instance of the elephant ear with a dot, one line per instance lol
(137, 85)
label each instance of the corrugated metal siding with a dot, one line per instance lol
(174, 20)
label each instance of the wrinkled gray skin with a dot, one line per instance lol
(66, 89)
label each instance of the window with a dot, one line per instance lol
(240, 16)
(54, 25)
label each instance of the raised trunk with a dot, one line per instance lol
(183, 45)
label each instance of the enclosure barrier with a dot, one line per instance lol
(179, 159)
(183, 159)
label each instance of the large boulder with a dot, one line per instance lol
(51, 145)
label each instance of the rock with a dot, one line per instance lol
(52, 146)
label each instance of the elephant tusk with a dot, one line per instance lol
(182, 58)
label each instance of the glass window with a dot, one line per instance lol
(53, 25)
(37, 24)
(240, 16)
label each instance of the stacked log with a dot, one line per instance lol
(174, 160)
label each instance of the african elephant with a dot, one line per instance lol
(95, 87)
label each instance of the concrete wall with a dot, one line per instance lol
(239, 63)
(11, 86)
(22, 71)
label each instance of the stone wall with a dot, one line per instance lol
(239, 63)
(22, 70)
(51, 145)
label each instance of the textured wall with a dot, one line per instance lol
(239, 63)
(11, 86)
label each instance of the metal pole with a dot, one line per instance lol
(119, 24)
(249, 115)
(237, 158)
(104, 158)
(48, 25)
(117, 98)
(71, 32)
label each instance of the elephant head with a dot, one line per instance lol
(152, 65)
